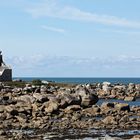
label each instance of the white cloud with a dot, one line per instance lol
(40, 60)
(130, 32)
(57, 66)
(51, 8)
(53, 29)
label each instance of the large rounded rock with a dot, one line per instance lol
(109, 120)
(87, 97)
(17, 90)
(131, 86)
(92, 110)
(2, 108)
(120, 87)
(136, 137)
(40, 97)
(69, 99)
(122, 107)
(89, 100)
(12, 110)
(72, 108)
(43, 89)
(107, 105)
(106, 86)
(129, 99)
(26, 98)
(82, 91)
(51, 106)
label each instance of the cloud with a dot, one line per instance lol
(130, 32)
(65, 66)
(53, 29)
(51, 8)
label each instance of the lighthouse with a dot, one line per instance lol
(5, 71)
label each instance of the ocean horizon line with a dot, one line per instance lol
(68, 77)
(83, 80)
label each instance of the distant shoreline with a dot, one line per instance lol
(81, 80)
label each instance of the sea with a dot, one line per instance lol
(81, 80)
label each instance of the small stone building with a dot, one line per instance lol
(5, 71)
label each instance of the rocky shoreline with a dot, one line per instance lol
(46, 106)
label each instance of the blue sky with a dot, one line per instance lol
(71, 38)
